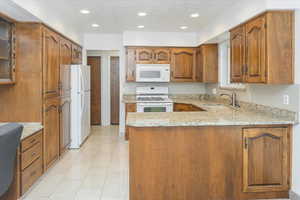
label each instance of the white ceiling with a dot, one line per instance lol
(115, 16)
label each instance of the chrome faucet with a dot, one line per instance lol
(233, 99)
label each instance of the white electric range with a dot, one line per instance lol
(153, 99)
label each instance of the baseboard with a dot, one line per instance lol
(294, 196)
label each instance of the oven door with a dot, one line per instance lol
(154, 107)
(152, 73)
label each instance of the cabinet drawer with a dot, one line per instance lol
(31, 155)
(31, 141)
(31, 174)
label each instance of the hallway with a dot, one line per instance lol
(98, 171)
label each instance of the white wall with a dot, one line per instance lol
(239, 12)
(140, 38)
(103, 42)
(51, 18)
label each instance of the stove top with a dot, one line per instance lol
(150, 99)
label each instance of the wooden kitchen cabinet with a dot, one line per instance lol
(31, 160)
(207, 63)
(162, 55)
(183, 64)
(7, 51)
(183, 107)
(237, 52)
(129, 107)
(76, 54)
(51, 131)
(262, 49)
(265, 159)
(51, 63)
(130, 64)
(64, 125)
(144, 56)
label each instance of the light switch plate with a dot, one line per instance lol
(286, 99)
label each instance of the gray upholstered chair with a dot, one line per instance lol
(10, 136)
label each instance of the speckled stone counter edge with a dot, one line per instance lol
(262, 109)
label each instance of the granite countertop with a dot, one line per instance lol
(29, 128)
(216, 114)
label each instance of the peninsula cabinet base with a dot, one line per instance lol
(209, 163)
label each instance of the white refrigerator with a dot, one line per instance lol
(80, 104)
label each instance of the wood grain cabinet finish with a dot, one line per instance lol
(51, 63)
(31, 157)
(130, 64)
(162, 55)
(207, 63)
(76, 54)
(51, 131)
(237, 54)
(7, 50)
(262, 49)
(64, 125)
(130, 107)
(183, 64)
(265, 159)
(144, 56)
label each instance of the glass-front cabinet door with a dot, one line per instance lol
(7, 52)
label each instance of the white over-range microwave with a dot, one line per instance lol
(152, 73)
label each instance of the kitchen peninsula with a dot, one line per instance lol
(222, 152)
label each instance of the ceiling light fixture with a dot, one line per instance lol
(194, 15)
(95, 25)
(142, 14)
(84, 11)
(140, 26)
(183, 27)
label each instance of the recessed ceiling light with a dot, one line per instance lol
(95, 25)
(84, 11)
(194, 15)
(183, 27)
(142, 14)
(140, 26)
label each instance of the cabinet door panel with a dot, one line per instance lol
(65, 125)
(263, 146)
(144, 56)
(65, 72)
(256, 51)
(183, 61)
(199, 65)
(130, 64)
(51, 64)
(162, 56)
(51, 132)
(237, 47)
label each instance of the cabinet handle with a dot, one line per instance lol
(50, 107)
(33, 154)
(246, 69)
(246, 143)
(32, 173)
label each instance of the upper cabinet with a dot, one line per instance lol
(183, 64)
(7, 51)
(51, 63)
(207, 63)
(262, 49)
(187, 64)
(76, 54)
(162, 55)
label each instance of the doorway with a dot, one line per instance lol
(95, 63)
(114, 90)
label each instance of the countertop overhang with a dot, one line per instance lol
(29, 128)
(216, 114)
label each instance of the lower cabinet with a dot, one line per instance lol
(31, 156)
(130, 107)
(51, 131)
(64, 124)
(265, 159)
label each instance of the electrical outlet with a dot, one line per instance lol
(214, 91)
(286, 99)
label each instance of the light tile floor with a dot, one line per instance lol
(98, 171)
